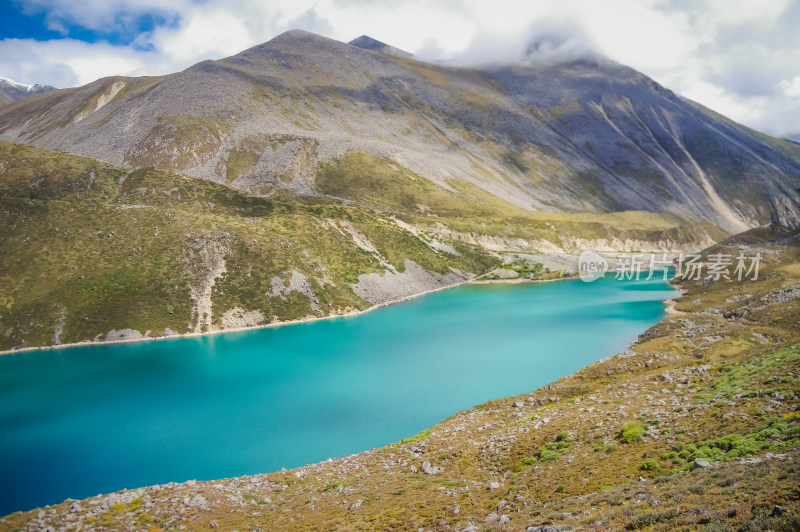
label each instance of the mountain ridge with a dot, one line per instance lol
(582, 135)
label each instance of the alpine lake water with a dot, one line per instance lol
(84, 420)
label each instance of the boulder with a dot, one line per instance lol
(777, 511)
(699, 463)
(429, 469)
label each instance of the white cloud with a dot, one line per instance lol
(791, 88)
(738, 57)
(213, 33)
(66, 62)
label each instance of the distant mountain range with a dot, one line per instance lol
(583, 135)
(11, 91)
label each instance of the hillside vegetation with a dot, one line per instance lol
(87, 248)
(93, 252)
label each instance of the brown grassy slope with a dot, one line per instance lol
(86, 247)
(610, 447)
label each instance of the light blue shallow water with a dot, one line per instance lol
(80, 421)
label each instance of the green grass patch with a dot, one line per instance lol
(632, 432)
(417, 437)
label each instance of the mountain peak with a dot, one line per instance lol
(11, 90)
(17, 85)
(298, 40)
(296, 34)
(504, 129)
(368, 43)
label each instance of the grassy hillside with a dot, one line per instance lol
(87, 248)
(385, 186)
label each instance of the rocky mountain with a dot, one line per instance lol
(11, 91)
(585, 135)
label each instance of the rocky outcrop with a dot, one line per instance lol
(123, 335)
(237, 318)
(206, 258)
(574, 244)
(414, 280)
(297, 283)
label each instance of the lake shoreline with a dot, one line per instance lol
(259, 369)
(477, 280)
(272, 324)
(472, 281)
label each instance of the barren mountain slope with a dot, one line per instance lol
(587, 135)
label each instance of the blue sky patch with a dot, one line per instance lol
(19, 23)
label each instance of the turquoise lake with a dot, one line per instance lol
(93, 419)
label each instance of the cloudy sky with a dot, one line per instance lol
(739, 57)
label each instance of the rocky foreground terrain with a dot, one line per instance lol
(696, 426)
